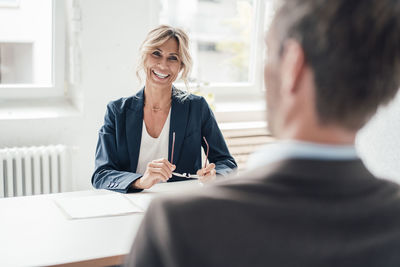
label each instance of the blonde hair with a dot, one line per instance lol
(159, 36)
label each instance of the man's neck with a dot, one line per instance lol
(330, 134)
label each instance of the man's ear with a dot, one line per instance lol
(292, 64)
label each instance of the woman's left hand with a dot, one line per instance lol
(207, 174)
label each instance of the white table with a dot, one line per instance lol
(34, 231)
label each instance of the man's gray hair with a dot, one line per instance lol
(353, 48)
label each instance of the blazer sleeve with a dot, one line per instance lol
(108, 174)
(218, 150)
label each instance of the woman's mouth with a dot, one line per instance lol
(160, 75)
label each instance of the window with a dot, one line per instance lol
(226, 42)
(31, 48)
(16, 62)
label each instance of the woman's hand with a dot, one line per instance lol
(207, 174)
(158, 170)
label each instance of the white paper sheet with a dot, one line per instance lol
(141, 200)
(104, 205)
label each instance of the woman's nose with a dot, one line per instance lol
(162, 63)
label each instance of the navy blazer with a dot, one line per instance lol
(118, 146)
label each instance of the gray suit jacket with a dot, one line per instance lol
(293, 213)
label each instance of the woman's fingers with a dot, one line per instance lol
(162, 167)
(210, 176)
(156, 171)
(166, 162)
(209, 170)
(209, 167)
(207, 174)
(211, 173)
(160, 173)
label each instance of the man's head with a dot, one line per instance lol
(345, 53)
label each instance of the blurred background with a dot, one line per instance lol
(62, 61)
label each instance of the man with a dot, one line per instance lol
(310, 201)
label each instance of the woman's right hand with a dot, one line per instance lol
(158, 170)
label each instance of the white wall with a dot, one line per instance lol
(378, 143)
(112, 32)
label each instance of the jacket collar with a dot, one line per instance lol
(178, 124)
(134, 127)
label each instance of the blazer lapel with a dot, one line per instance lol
(134, 125)
(178, 121)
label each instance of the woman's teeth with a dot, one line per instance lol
(160, 75)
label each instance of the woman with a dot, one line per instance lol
(157, 134)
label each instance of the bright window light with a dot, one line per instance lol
(26, 42)
(221, 33)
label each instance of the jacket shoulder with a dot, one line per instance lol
(183, 96)
(195, 98)
(198, 100)
(198, 103)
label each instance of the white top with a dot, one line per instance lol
(153, 148)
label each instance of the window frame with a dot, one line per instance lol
(254, 88)
(56, 88)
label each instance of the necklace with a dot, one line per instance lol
(157, 109)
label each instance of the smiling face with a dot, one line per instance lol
(162, 65)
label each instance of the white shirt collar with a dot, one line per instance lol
(293, 149)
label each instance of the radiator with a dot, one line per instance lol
(28, 171)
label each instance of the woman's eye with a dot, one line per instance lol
(156, 53)
(173, 58)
